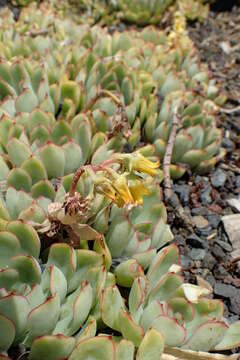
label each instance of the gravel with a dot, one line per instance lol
(218, 178)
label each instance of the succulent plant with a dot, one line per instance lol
(54, 309)
(149, 72)
(133, 237)
(161, 300)
(39, 150)
(21, 2)
(55, 301)
(142, 12)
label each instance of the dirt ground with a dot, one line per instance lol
(207, 253)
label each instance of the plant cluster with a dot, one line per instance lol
(140, 12)
(86, 264)
(127, 85)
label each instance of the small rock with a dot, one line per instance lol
(197, 254)
(200, 221)
(218, 252)
(220, 272)
(183, 191)
(199, 211)
(238, 181)
(226, 47)
(231, 225)
(228, 144)
(186, 262)
(211, 280)
(174, 200)
(235, 304)
(214, 220)
(204, 231)
(235, 204)
(224, 245)
(205, 196)
(209, 261)
(224, 290)
(218, 178)
(198, 179)
(196, 242)
(180, 240)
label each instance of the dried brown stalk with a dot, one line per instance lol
(120, 125)
(168, 156)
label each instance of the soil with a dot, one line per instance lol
(207, 253)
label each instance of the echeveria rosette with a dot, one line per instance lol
(134, 236)
(54, 301)
(45, 315)
(142, 12)
(40, 148)
(180, 312)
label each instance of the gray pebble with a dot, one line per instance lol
(196, 242)
(218, 178)
(224, 290)
(209, 261)
(197, 254)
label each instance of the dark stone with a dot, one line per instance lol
(209, 278)
(218, 252)
(235, 304)
(183, 191)
(198, 179)
(3, 3)
(180, 240)
(200, 211)
(197, 242)
(228, 144)
(209, 261)
(197, 254)
(205, 196)
(174, 200)
(218, 178)
(224, 245)
(204, 231)
(220, 272)
(186, 262)
(224, 290)
(214, 220)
